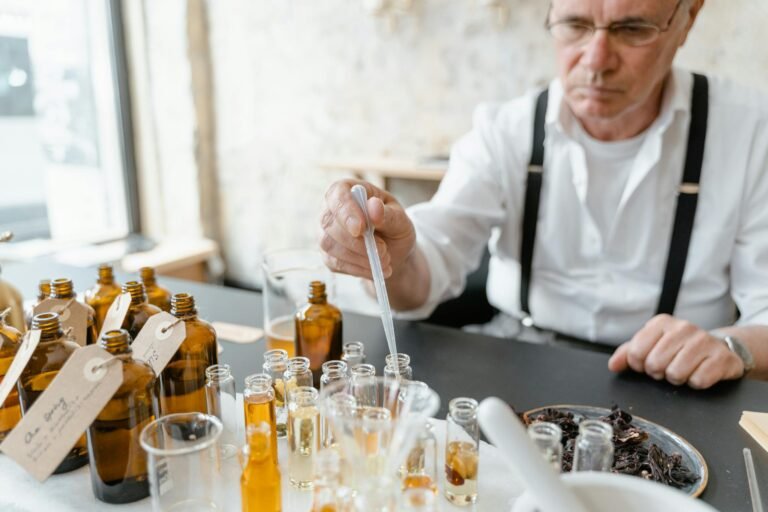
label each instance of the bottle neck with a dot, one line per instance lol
(49, 326)
(106, 276)
(43, 290)
(138, 294)
(183, 306)
(463, 410)
(116, 342)
(317, 293)
(148, 276)
(62, 289)
(218, 373)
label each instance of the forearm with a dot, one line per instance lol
(408, 287)
(755, 337)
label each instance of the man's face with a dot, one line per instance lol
(604, 78)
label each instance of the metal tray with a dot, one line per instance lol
(667, 440)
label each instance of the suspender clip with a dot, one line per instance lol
(538, 169)
(689, 188)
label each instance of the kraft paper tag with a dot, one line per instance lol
(237, 333)
(756, 424)
(159, 340)
(75, 316)
(116, 313)
(20, 360)
(49, 430)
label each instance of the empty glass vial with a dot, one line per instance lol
(360, 387)
(333, 371)
(353, 354)
(156, 294)
(303, 435)
(420, 471)
(139, 311)
(118, 463)
(548, 438)
(260, 487)
(222, 402)
(318, 329)
(594, 446)
(182, 383)
(48, 358)
(43, 292)
(102, 294)
(259, 404)
(462, 449)
(64, 289)
(275, 364)
(402, 370)
(10, 341)
(327, 481)
(297, 374)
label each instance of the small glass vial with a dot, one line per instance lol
(417, 500)
(420, 471)
(548, 438)
(327, 482)
(303, 435)
(102, 294)
(156, 294)
(401, 371)
(139, 311)
(297, 375)
(275, 364)
(259, 404)
(318, 329)
(362, 385)
(353, 354)
(222, 402)
(43, 292)
(462, 449)
(594, 446)
(333, 371)
(10, 341)
(260, 488)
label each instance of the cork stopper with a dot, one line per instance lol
(183, 305)
(62, 288)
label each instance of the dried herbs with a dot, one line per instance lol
(633, 454)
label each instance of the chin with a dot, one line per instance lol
(599, 109)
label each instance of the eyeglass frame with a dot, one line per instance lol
(612, 27)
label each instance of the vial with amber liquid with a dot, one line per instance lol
(259, 404)
(118, 463)
(43, 292)
(260, 481)
(140, 309)
(181, 385)
(10, 341)
(102, 294)
(275, 365)
(156, 294)
(64, 289)
(47, 360)
(462, 449)
(318, 330)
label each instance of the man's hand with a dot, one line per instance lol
(678, 351)
(343, 225)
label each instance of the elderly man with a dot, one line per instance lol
(625, 205)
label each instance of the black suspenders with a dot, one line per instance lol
(684, 214)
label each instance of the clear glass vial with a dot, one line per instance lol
(303, 435)
(401, 370)
(548, 438)
(275, 364)
(594, 447)
(353, 354)
(221, 399)
(462, 450)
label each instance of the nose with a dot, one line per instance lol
(598, 53)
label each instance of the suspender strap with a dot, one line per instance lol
(687, 198)
(531, 205)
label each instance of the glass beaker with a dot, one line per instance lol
(287, 274)
(183, 462)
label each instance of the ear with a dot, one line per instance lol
(692, 7)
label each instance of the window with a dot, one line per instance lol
(64, 174)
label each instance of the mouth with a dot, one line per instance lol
(598, 90)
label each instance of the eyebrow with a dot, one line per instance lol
(571, 18)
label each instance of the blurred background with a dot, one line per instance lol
(193, 135)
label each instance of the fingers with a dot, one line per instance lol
(688, 359)
(618, 361)
(356, 256)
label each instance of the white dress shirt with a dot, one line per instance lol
(603, 239)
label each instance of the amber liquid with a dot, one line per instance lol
(260, 484)
(280, 334)
(419, 482)
(136, 318)
(100, 298)
(258, 409)
(318, 336)
(10, 412)
(158, 296)
(461, 464)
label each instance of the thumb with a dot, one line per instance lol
(618, 361)
(389, 220)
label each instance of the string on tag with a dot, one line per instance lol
(69, 303)
(171, 325)
(109, 362)
(68, 331)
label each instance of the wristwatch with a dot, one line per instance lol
(738, 347)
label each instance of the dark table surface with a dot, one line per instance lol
(455, 363)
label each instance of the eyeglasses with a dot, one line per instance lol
(630, 33)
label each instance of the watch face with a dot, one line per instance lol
(738, 347)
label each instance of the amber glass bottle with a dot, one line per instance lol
(10, 340)
(64, 289)
(43, 292)
(260, 482)
(118, 463)
(48, 358)
(140, 309)
(318, 330)
(182, 382)
(102, 294)
(156, 294)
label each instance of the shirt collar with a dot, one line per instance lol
(676, 98)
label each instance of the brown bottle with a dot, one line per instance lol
(102, 294)
(182, 382)
(48, 358)
(10, 341)
(64, 289)
(118, 463)
(157, 295)
(318, 330)
(43, 292)
(140, 309)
